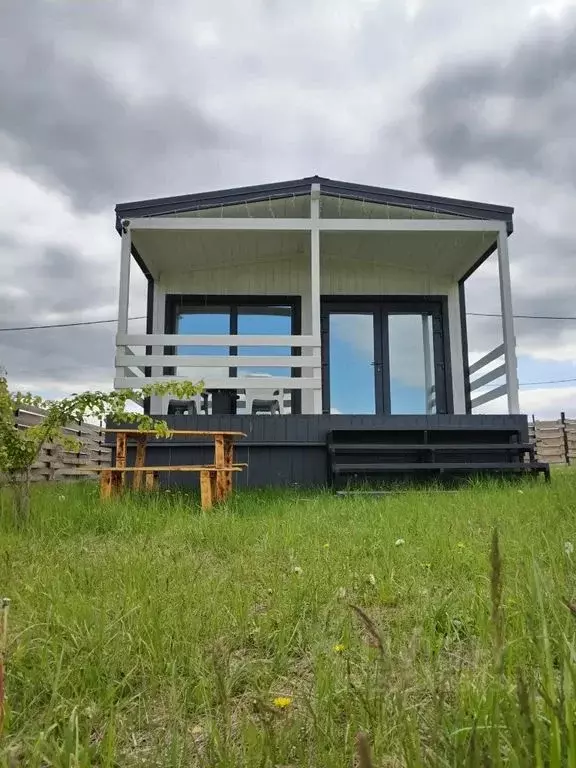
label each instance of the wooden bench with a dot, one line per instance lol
(211, 490)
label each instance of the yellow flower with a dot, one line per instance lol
(339, 648)
(461, 545)
(326, 545)
(282, 702)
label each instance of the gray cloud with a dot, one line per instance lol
(546, 287)
(516, 113)
(66, 121)
(61, 285)
(62, 282)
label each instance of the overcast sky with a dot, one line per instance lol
(105, 101)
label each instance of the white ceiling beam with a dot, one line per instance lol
(324, 225)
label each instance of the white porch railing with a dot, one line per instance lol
(488, 377)
(131, 364)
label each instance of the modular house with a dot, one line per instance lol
(316, 311)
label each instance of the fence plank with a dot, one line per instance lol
(555, 439)
(56, 463)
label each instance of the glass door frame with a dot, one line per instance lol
(381, 307)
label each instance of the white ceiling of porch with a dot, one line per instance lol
(183, 251)
(448, 254)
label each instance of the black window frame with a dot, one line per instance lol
(382, 306)
(177, 303)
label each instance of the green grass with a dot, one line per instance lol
(143, 632)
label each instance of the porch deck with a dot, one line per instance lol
(284, 451)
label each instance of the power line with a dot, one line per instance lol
(68, 325)
(521, 317)
(536, 383)
(143, 317)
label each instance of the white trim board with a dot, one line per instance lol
(214, 340)
(222, 361)
(324, 225)
(227, 382)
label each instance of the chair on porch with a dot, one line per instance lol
(187, 407)
(264, 400)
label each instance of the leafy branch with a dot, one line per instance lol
(20, 448)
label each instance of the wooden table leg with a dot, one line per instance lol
(206, 488)
(220, 463)
(150, 481)
(140, 461)
(228, 461)
(106, 484)
(116, 482)
(121, 442)
(214, 486)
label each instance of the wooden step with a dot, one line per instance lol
(403, 466)
(399, 447)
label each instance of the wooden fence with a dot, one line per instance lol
(55, 463)
(555, 440)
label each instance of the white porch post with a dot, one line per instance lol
(124, 294)
(158, 405)
(428, 378)
(456, 350)
(315, 281)
(508, 322)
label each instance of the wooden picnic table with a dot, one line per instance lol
(221, 471)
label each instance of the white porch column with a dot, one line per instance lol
(508, 322)
(158, 405)
(124, 295)
(456, 350)
(311, 400)
(428, 378)
(307, 396)
(315, 281)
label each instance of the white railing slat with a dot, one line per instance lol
(488, 396)
(489, 358)
(241, 382)
(495, 373)
(214, 340)
(220, 361)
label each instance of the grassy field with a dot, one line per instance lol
(146, 633)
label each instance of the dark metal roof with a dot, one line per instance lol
(298, 187)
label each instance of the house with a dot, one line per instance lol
(314, 307)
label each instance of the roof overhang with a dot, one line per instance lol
(363, 201)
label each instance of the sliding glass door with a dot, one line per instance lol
(384, 358)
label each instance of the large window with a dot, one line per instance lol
(237, 316)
